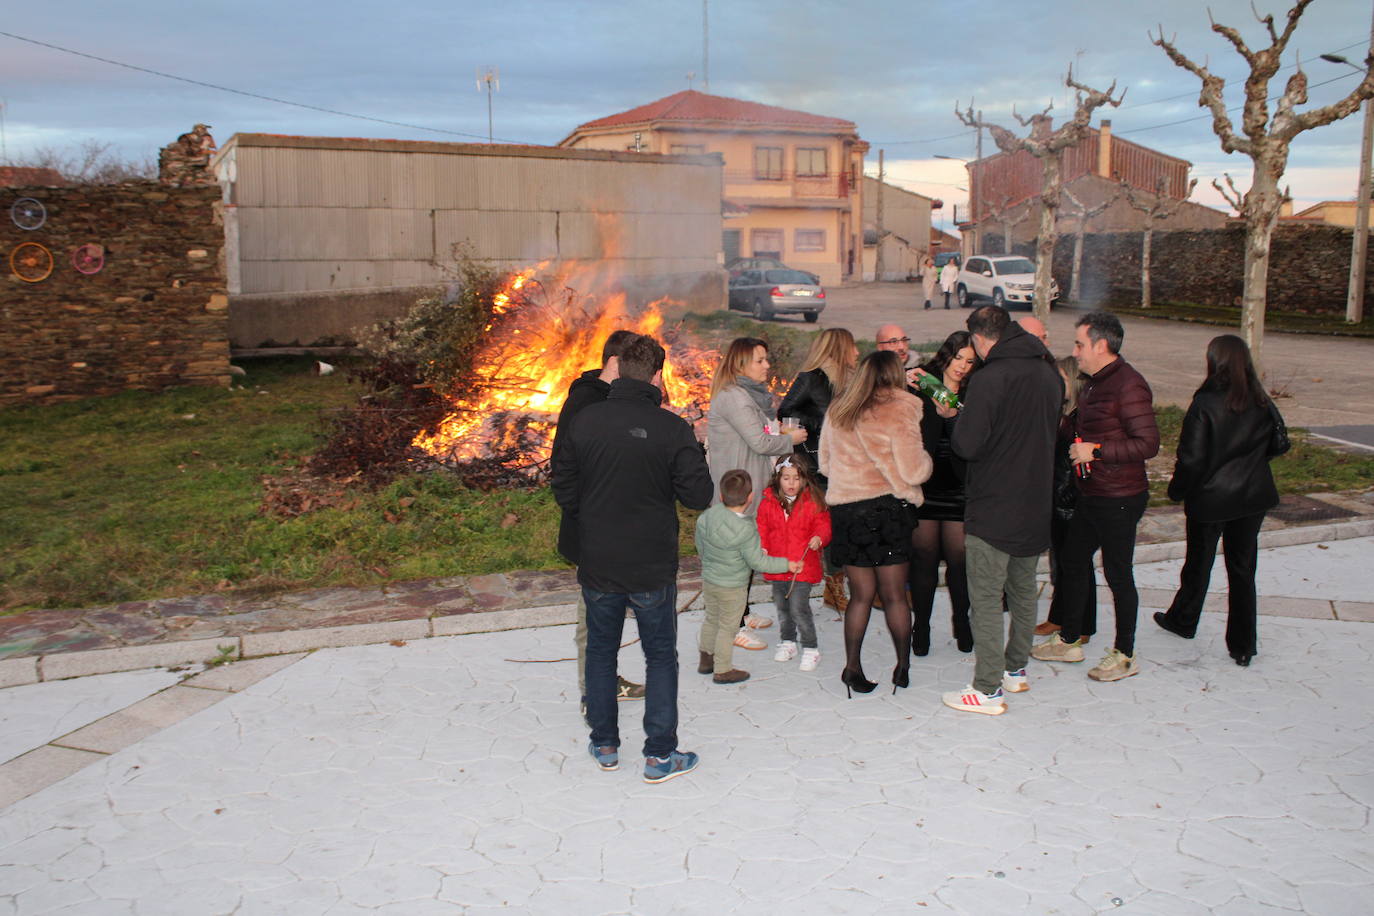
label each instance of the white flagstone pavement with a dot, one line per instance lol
(447, 776)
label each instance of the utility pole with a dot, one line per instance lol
(491, 81)
(878, 264)
(1359, 244)
(705, 46)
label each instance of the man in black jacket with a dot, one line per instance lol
(591, 387)
(1006, 433)
(619, 475)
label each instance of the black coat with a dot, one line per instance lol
(619, 475)
(1006, 433)
(946, 483)
(808, 399)
(1222, 470)
(587, 389)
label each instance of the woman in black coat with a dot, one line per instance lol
(1222, 476)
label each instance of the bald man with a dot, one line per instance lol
(1035, 328)
(892, 337)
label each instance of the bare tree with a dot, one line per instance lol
(1082, 216)
(1265, 140)
(1002, 215)
(1048, 146)
(1160, 206)
(89, 162)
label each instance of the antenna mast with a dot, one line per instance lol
(705, 46)
(489, 79)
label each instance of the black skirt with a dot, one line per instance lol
(872, 532)
(942, 507)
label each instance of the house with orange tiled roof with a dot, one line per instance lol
(23, 176)
(792, 182)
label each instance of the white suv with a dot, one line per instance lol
(1005, 279)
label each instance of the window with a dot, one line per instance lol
(767, 243)
(687, 149)
(976, 265)
(811, 162)
(808, 240)
(768, 163)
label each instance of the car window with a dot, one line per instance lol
(787, 276)
(975, 265)
(1013, 266)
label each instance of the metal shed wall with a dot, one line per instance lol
(325, 235)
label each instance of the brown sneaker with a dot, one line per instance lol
(733, 676)
(706, 664)
(1045, 628)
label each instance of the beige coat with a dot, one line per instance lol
(735, 439)
(882, 454)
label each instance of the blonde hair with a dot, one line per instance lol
(831, 353)
(1069, 366)
(880, 373)
(737, 356)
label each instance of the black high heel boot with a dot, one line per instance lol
(857, 682)
(963, 632)
(920, 640)
(901, 677)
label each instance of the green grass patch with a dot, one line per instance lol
(1274, 320)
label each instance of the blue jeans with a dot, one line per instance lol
(656, 614)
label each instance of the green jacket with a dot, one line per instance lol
(729, 548)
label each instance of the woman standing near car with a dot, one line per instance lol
(1222, 476)
(930, 278)
(940, 535)
(737, 434)
(949, 277)
(871, 450)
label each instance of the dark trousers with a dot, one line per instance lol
(1059, 529)
(656, 615)
(1240, 547)
(1108, 523)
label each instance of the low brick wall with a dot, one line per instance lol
(155, 315)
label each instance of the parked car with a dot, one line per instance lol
(738, 266)
(945, 257)
(766, 293)
(1006, 280)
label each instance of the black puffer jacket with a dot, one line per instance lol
(1222, 471)
(808, 399)
(619, 475)
(588, 388)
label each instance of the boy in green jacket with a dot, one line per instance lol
(728, 544)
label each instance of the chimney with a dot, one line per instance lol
(1104, 149)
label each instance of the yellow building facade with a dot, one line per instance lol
(793, 185)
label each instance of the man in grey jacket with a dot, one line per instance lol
(1006, 434)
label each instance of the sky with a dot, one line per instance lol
(896, 68)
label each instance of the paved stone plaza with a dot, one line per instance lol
(450, 774)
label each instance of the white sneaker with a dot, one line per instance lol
(1015, 681)
(810, 659)
(972, 700)
(1114, 666)
(757, 621)
(746, 640)
(787, 650)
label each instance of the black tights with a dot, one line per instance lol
(932, 541)
(890, 582)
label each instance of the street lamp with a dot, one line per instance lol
(1359, 244)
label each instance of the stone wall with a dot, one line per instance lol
(1309, 267)
(155, 315)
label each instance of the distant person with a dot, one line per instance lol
(1116, 423)
(621, 472)
(591, 387)
(949, 279)
(794, 523)
(872, 453)
(892, 338)
(1035, 328)
(930, 279)
(728, 544)
(1005, 434)
(940, 535)
(739, 420)
(1222, 476)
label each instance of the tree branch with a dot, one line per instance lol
(1210, 97)
(1287, 126)
(1234, 197)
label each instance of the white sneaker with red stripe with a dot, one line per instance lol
(971, 700)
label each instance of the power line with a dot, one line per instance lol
(251, 95)
(1232, 110)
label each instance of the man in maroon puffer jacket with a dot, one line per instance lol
(1116, 423)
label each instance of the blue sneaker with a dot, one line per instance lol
(608, 758)
(662, 769)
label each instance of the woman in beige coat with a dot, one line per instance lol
(871, 450)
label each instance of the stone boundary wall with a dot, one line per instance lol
(155, 315)
(1309, 267)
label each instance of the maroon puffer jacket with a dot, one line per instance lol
(1116, 410)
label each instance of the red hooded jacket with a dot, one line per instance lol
(784, 535)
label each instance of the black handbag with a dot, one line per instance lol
(1278, 437)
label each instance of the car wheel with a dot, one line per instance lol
(998, 299)
(811, 316)
(762, 312)
(961, 293)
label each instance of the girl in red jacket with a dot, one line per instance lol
(794, 523)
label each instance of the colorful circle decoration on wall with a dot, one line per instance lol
(31, 262)
(89, 258)
(28, 213)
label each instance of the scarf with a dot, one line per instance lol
(760, 393)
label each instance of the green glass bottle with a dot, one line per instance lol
(936, 391)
